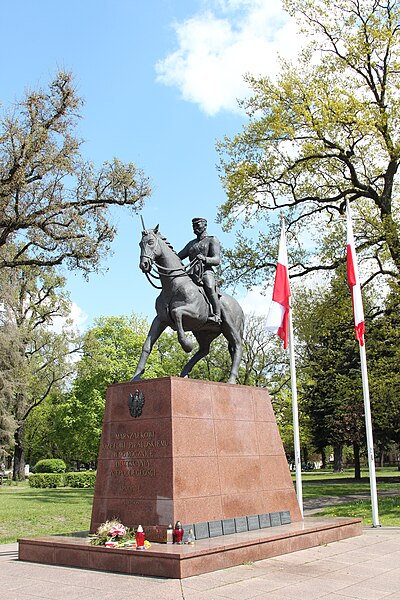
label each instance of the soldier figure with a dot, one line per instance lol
(204, 253)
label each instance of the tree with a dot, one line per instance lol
(325, 132)
(32, 298)
(54, 205)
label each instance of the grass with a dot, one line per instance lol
(28, 512)
(388, 509)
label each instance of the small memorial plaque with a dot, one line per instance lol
(201, 531)
(253, 523)
(186, 532)
(275, 519)
(265, 520)
(241, 524)
(285, 517)
(215, 528)
(228, 526)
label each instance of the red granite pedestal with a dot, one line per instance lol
(207, 454)
(200, 452)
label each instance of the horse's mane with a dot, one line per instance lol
(164, 239)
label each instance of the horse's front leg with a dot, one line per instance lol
(156, 329)
(185, 342)
(204, 349)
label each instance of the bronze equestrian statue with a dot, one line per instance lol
(189, 300)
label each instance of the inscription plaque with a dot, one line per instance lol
(215, 528)
(285, 517)
(275, 519)
(253, 523)
(228, 526)
(265, 520)
(201, 531)
(241, 524)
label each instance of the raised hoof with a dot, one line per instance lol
(136, 378)
(187, 345)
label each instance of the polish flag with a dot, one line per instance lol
(354, 282)
(278, 315)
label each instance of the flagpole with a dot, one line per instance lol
(370, 441)
(295, 415)
(359, 325)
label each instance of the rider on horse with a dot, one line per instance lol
(204, 253)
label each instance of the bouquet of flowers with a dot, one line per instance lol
(112, 534)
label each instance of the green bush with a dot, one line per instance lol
(50, 465)
(81, 479)
(47, 480)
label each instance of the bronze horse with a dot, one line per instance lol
(183, 306)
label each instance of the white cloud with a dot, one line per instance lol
(218, 46)
(77, 318)
(256, 301)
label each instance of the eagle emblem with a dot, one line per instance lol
(136, 403)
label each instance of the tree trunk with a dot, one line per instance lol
(323, 458)
(357, 466)
(19, 453)
(338, 458)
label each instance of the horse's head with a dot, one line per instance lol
(149, 249)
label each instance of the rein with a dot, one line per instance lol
(171, 273)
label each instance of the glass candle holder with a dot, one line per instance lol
(139, 535)
(178, 533)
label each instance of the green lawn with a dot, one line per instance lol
(27, 512)
(388, 510)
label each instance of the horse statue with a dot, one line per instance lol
(183, 306)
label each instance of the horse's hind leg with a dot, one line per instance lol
(204, 349)
(156, 329)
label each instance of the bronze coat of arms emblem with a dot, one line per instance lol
(136, 403)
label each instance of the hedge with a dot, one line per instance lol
(81, 479)
(46, 480)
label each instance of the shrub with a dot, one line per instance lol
(81, 479)
(46, 480)
(50, 465)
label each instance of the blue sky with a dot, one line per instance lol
(160, 81)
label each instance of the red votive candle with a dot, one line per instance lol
(178, 533)
(139, 535)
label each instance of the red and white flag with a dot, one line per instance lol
(354, 282)
(278, 315)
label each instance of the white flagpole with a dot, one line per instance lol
(295, 413)
(370, 440)
(359, 317)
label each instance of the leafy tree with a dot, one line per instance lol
(32, 298)
(325, 131)
(54, 205)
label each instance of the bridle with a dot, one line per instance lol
(159, 270)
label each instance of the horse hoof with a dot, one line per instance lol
(231, 380)
(187, 345)
(136, 378)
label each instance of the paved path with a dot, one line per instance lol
(365, 567)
